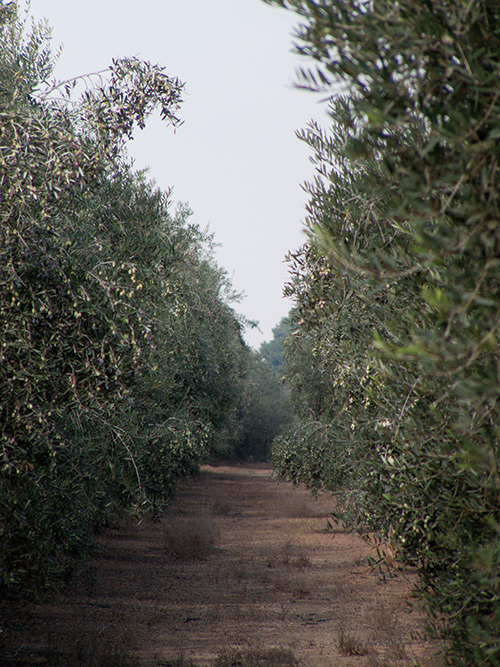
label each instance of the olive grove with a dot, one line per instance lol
(393, 363)
(122, 360)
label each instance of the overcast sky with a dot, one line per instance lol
(236, 159)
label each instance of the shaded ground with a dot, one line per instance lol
(238, 562)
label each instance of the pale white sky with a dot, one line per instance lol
(236, 159)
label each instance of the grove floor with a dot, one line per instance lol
(238, 563)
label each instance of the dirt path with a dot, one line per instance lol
(240, 563)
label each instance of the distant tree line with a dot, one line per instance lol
(394, 359)
(122, 360)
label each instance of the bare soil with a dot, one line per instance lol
(239, 564)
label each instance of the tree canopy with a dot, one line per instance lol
(273, 350)
(395, 364)
(122, 361)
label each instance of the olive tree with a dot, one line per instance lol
(117, 338)
(404, 218)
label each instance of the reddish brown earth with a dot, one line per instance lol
(238, 562)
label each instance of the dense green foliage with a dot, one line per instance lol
(265, 410)
(394, 369)
(122, 362)
(273, 350)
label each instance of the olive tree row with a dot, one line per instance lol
(398, 292)
(121, 356)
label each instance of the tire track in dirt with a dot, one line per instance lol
(238, 561)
